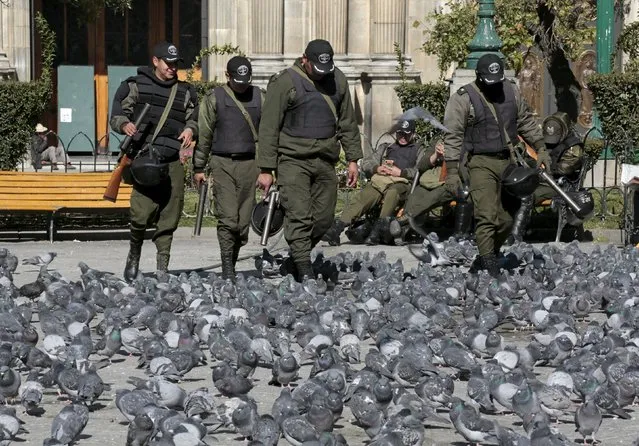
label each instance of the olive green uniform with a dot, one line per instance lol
(568, 165)
(393, 196)
(492, 208)
(234, 177)
(162, 205)
(305, 166)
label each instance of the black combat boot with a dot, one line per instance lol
(490, 263)
(379, 233)
(162, 260)
(463, 221)
(520, 222)
(132, 262)
(228, 266)
(332, 235)
(304, 269)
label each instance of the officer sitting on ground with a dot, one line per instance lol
(566, 151)
(433, 191)
(391, 170)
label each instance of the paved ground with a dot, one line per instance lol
(107, 427)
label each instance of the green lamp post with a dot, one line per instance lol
(486, 39)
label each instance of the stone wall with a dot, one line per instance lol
(362, 32)
(15, 37)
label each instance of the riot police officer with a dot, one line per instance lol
(228, 122)
(160, 205)
(484, 118)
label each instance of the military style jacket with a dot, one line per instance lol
(460, 115)
(567, 157)
(130, 98)
(216, 137)
(287, 114)
(407, 158)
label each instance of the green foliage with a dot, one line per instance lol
(22, 103)
(616, 96)
(628, 42)
(431, 96)
(218, 50)
(93, 8)
(401, 62)
(566, 27)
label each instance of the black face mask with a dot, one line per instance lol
(493, 92)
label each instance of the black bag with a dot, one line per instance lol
(147, 169)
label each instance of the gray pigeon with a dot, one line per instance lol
(31, 392)
(69, 423)
(284, 406)
(199, 403)
(9, 383)
(245, 418)
(267, 431)
(285, 370)
(415, 114)
(363, 405)
(469, 424)
(39, 260)
(10, 426)
(588, 419)
(140, 430)
(90, 387)
(298, 430)
(130, 402)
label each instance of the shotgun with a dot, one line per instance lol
(200, 209)
(113, 187)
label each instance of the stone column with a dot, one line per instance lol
(329, 21)
(295, 28)
(15, 37)
(267, 27)
(223, 28)
(359, 14)
(388, 24)
(418, 10)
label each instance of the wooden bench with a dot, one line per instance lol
(58, 199)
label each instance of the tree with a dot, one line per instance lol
(558, 29)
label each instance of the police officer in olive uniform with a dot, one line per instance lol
(225, 133)
(160, 205)
(567, 154)
(306, 116)
(436, 188)
(391, 171)
(484, 118)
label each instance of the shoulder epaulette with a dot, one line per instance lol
(462, 91)
(278, 74)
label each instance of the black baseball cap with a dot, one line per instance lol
(406, 126)
(239, 69)
(490, 68)
(166, 51)
(320, 53)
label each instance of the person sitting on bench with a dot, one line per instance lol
(42, 151)
(391, 170)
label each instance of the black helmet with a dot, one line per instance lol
(520, 181)
(586, 204)
(258, 218)
(359, 230)
(147, 171)
(555, 127)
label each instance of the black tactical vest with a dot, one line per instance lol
(157, 95)
(310, 116)
(403, 157)
(484, 135)
(558, 151)
(232, 133)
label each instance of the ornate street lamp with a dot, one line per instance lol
(486, 39)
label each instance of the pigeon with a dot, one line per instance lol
(130, 402)
(588, 419)
(199, 403)
(267, 431)
(284, 406)
(245, 418)
(40, 260)
(9, 383)
(285, 370)
(10, 426)
(469, 424)
(31, 392)
(69, 423)
(140, 430)
(417, 113)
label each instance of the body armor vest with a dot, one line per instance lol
(232, 133)
(558, 151)
(310, 116)
(403, 157)
(484, 135)
(151, 92)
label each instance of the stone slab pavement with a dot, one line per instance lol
(108, 427)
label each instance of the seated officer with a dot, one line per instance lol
(566, 151)
(391, 171)
(431, 192)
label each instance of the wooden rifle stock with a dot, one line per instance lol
(113, 187)
(444, 173)
(529, 150)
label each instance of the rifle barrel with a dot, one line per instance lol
(200, 210)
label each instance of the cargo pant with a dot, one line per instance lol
(308, 194)
(368, 197)
(234, 193)
(493, 208)
(423, 200)
(160, 206)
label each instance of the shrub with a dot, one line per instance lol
(616, 96)
(22, 103)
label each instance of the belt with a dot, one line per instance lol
(236, 156)
(504, 154)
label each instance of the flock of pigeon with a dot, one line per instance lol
(427, 334)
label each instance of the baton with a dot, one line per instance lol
(201, 203)
(273, 197)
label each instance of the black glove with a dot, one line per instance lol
(543, 158)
